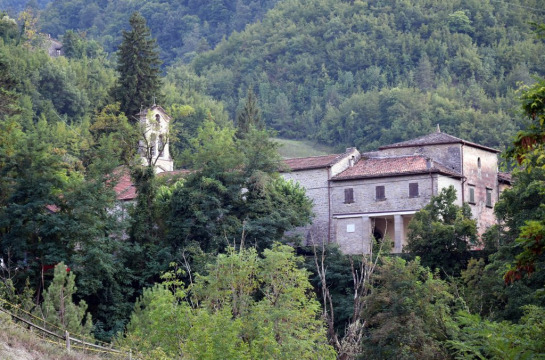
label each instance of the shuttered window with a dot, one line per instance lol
(471, 194)
(348, 196)
(380, 193)
(488, 197)
(413, 190)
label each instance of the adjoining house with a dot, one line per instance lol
(357, 195)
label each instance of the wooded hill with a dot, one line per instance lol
(343, 72)
(375, 72)
(182, 28)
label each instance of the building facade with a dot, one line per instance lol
(357, 196)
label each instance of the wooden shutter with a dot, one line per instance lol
(489, 197)
(413, 190)
(380, 193)
(348, 196)
(471, 195)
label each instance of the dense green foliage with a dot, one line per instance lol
(442, 234)
(182, 28)
(375, 72)
(407, 313)
(247, 307)
(339, 72)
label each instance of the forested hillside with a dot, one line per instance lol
(371, 73)
(182, 28)
(204, 262)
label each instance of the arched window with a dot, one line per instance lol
(479, 163)
(157, 124)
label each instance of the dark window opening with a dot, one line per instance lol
(479, 163)
(380, 193)
(413, 190)
(348, 196)
(488, 197)
(377, 234)
(157, 124)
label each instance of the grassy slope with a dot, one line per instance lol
(301, 148)
(17, 343)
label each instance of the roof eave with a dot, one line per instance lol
(431, 171)
(386, 147)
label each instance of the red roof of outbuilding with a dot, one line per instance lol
(125, 189)
(313, 162)
(394, 166)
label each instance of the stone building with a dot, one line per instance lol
(154, 146)
(377, 193)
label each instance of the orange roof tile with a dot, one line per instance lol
(313, 162)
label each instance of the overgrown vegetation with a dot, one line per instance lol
(345, 73)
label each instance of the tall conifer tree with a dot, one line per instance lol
(138, 67)
(249, 116)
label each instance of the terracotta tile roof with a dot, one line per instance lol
(435, 139)
(505, 177)
(313, 162)
(53, 208)
(125, 189)
(394, 166)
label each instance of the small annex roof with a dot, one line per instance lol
(394, 166)
(505, 178)
(314, 162)
(435, 138)
(125, 189)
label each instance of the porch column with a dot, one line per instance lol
(365, 235)
(399, 230)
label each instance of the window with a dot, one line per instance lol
(380, 193)
(413, 190)
(350, 228)
(348, 196)
(161, 145)
(488, 197)
(471, 194)
(157, 124)
(479, 163)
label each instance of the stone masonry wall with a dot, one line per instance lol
(396, 191)
(481, 178)
(315, 181)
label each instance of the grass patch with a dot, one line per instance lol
(301, 148)
(18, 343)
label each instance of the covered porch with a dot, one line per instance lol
(353, 232)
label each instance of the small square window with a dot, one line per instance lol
(471, 194)
(488, 197)
(350, 228)
(348, 196)
(413, 190)
(380, 193)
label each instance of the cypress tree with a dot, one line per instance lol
(138, 67)
(249, 116)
